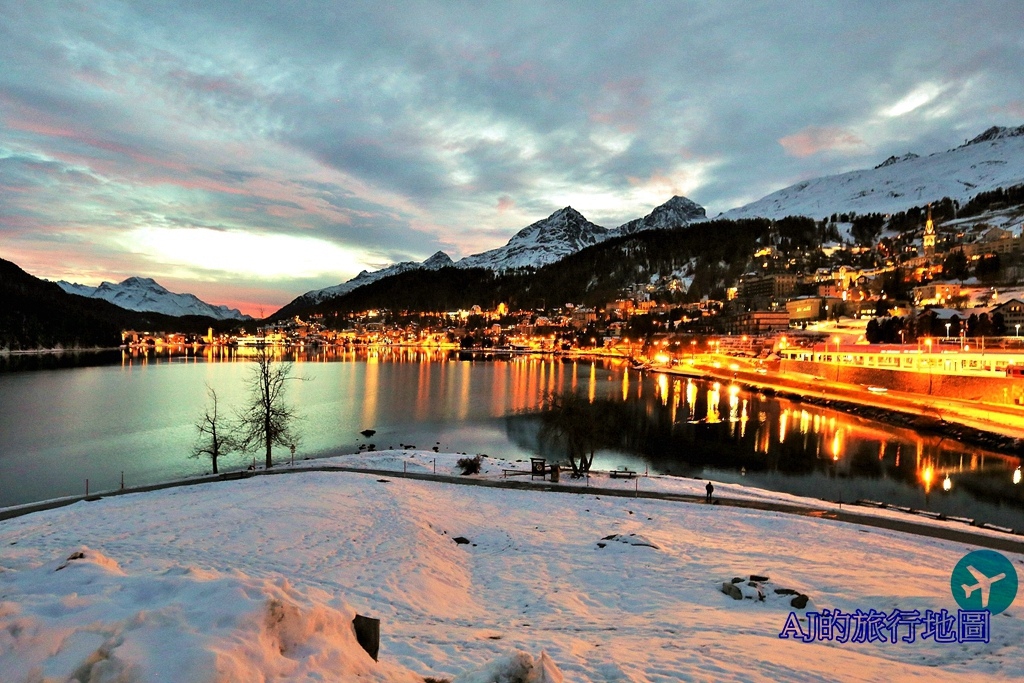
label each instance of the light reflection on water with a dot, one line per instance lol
(59, 427)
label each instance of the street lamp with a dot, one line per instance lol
(947, 483)
(947, 330)
(1018, 329)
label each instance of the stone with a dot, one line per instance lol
(786, 591)
(732, 591)
(799, 602)
(755, 577)
(461, 540)
(737, 580)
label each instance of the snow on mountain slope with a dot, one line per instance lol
(564, 232)
(993, 159)
(675, 212)
(144, 294)
(311, 298)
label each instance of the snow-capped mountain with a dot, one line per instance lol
(675, 212)
(311, 298)
(564, 232)
(144, 294)
(993, 159)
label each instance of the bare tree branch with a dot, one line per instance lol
(267, 420)
(215, 438)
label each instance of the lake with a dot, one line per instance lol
(72, 418)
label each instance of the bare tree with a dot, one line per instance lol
(568, 418)
(215, 438)
(267, 419)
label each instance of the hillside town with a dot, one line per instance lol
(952, 283)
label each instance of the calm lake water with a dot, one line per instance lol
(67, 419)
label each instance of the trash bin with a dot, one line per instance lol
(554, 473)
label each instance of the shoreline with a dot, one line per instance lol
(1004, 539)
(898, 409)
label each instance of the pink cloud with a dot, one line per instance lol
(815, 139)
(1012, 108)
(505, 203)
(621, 104)
(663, 183)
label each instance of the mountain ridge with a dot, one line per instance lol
(993, 159)
(146, 294)
(565, 232)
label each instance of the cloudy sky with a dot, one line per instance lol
(250, 151)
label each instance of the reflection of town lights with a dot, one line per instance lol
(926, 477)
(1016, 475)
(734, 389)
(947, 483)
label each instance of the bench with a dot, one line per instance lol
(512, 473)
(622, 472)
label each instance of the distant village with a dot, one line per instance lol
(947, 284)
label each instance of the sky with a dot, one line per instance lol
(247, 152)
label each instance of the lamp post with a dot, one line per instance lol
(947, 330)
(1017, 326)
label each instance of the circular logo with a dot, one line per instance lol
(984, 579)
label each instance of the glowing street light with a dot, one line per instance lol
(1016, 475)
(1018, 329)
(926, 478)
(947, 330)
(947, 483)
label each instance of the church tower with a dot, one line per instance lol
(929, 235)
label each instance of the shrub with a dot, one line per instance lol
(469, 465)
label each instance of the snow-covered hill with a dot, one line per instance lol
(472, 584)
(993, 159)
(144, 294)
(564, 232)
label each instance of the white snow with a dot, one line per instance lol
(564, 232)
(258, 579)
(145, 294)
(986, 163)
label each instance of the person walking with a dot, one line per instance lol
(710, 489)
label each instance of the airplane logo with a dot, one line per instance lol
(984, 583)
(984, 576)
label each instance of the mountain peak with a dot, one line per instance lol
(146, 294)
(991, 160)
(437, 261)
(895, 159)
(996, 133)
(550, 239)
(674, 213)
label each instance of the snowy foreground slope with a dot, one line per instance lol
(258, 579)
